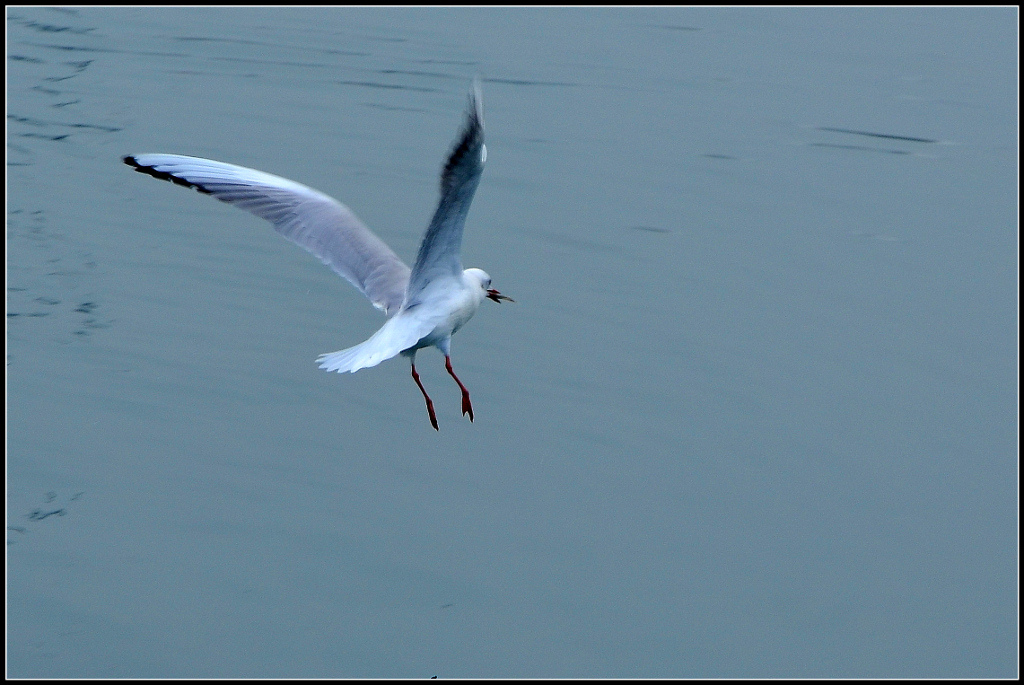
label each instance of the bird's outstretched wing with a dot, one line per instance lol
(307, 217)
(439, 252)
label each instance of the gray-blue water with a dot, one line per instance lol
(754, 412)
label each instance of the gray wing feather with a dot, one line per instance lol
(439, 252)
(307, 217)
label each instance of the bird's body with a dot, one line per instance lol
(426, 304)
(451, 302)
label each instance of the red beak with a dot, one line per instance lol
(493, 294)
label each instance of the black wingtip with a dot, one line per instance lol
(131, 161)
(470, 142)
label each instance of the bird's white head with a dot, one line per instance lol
(480, 276)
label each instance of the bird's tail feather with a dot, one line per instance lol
(352, 359)
(396, 335)
(361, 356)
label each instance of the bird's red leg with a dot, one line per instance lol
(430, 405)
(467, 406)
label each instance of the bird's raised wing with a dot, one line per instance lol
(442, 243)
(307, 217)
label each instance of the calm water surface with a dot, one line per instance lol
(753, 413)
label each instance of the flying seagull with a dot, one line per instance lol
(425, 305)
